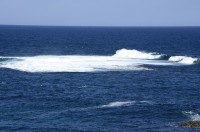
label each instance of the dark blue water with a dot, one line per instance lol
(152, 100)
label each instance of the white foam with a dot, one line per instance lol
(183, 59)
(123, 60)
(124, 103)
(192, 115)
(70, 64)
(125, 53)
(117, 104)
(76, 64)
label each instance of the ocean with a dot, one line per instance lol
(91, 79)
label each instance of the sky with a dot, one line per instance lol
(100, 12)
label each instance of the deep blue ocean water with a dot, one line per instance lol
(119, 100)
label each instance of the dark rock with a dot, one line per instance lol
(190, 124)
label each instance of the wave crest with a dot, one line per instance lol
(135, 54)
(183, 59)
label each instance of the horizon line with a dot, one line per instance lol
(93, 26)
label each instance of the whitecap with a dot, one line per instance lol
(183, 59)
(124, 103)
(125, 53)
(117, 104)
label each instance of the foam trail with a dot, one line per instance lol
(192, 115)
(183, 59)
(117, 104)
(124, 103)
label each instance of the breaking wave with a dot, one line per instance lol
(183, 59)
(192, 115)
(135, 54)
(123, 60)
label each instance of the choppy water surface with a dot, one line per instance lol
(99, 79)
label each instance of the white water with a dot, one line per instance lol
(70, 64)
(135, 54)
(123, 60)
(192, 115)
(183, 59)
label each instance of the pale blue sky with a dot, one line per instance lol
(100, 12)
